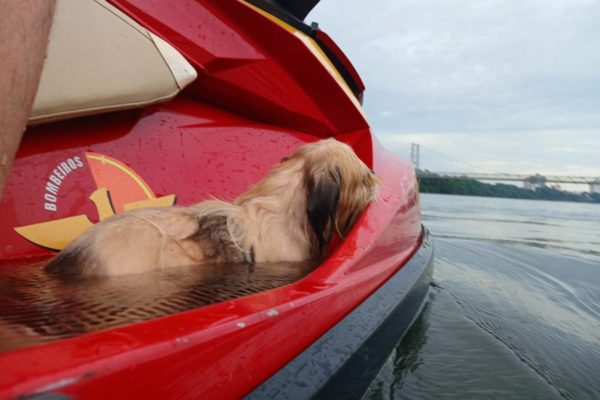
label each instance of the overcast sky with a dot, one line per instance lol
(498, 86)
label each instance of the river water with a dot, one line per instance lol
(514, 312)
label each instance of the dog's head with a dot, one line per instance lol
(338, 187)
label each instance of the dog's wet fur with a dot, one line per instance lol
(289, 215)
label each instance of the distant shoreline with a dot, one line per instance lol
(472, 187)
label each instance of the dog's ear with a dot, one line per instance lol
(321, 206)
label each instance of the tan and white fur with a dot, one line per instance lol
(289, 215)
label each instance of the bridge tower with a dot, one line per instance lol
(415, 155)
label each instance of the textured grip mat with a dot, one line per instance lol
(37, 308)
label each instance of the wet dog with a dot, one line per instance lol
(289, 215)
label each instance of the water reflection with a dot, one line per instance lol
(517, 311)
(444, 356)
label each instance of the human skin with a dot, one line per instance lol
(24, 28)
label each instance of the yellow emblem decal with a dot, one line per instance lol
(119, 189)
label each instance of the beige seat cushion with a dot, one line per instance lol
(100, 60)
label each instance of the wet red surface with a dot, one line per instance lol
(260, 94)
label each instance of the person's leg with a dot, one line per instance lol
(24, 28)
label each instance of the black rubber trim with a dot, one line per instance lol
(339, 65)
(273, 8)
(298, 8)
(344, 361)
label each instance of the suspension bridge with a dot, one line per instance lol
(529, 181)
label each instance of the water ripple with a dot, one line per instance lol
(515, 312)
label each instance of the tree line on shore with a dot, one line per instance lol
(472, 187)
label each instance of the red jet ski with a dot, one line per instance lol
(149, 104)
